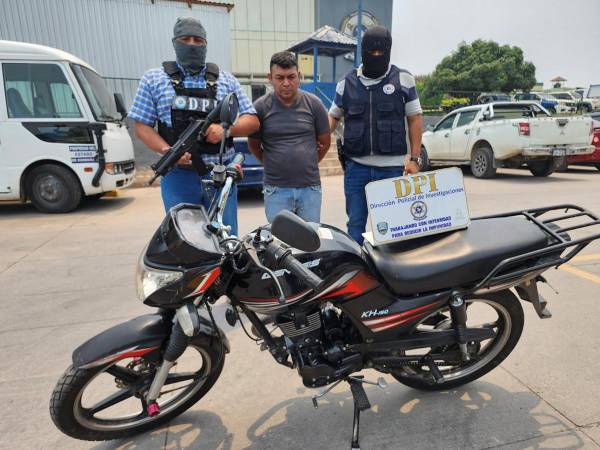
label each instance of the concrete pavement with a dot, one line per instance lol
(64, 278)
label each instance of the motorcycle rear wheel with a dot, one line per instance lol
(485, 356)
(73, 417)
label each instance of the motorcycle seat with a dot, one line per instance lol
(454, 259)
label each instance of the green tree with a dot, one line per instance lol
(482, 66)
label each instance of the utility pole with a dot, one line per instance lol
(357, 57)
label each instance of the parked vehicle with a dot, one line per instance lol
(550, 103)
(574, 99)
(253, 169)
(505, 134)
(493, 97)
(593, 91)
(593, 158)
(62, 135)
(435, 313)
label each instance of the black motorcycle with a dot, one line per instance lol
(434, 312)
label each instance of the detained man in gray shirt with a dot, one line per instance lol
(292, 139)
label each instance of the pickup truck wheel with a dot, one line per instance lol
(482, 163)
(424, 166)
(53, 189)
(542, 168)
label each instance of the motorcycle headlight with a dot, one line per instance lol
(149, 280)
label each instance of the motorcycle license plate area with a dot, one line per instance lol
(416, 205)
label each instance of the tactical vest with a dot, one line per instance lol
(190, 104)
(374, 116)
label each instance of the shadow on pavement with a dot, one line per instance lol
(87, 206)
(192, 430)
(527, 178)
(481, 415)
(478, 416)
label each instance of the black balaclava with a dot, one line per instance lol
(191, 57)
(376, 38)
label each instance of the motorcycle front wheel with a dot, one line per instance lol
(500, 311)
(107, 402)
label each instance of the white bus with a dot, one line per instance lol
(62, 135)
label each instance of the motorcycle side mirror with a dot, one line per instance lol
(229, 109)
(294, 231)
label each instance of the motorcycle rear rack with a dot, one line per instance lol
(511, 269)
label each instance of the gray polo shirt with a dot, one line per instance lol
(289, 139)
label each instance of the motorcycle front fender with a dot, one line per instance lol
(135, 337)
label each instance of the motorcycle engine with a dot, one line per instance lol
(317, 336)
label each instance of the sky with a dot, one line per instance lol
(558, 37)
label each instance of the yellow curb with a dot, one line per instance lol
(592, 257)
(581, 273)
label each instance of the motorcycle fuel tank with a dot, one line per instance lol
(339, 261)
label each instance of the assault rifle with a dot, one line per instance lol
(194, 129)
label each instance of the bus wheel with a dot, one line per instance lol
(53, 189)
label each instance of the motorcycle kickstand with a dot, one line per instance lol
(361, 403)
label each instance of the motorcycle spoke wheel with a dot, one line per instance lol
(500, 312)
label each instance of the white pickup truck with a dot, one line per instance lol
(505, 134)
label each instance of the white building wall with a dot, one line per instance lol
(260, 28)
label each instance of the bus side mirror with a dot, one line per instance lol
(120, 105)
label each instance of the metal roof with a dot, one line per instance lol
(328, 40)
(223, 3)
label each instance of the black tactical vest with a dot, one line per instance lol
(374, 116)
(190, 104)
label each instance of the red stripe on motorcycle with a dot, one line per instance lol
(206, 282)
(355, 286)
(119, 356)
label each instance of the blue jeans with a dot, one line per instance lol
(185, 186)
(305, 202)
(356, 178)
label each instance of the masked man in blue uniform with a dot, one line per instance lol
(180, 91)
(378, 102)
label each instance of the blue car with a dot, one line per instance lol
(542, 98)
(253, 169)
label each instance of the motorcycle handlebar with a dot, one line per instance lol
(237, 160)
(286, 260)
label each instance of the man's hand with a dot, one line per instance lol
(411, 167)
(185, 160)
(214, 134)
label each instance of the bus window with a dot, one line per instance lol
(38, 91)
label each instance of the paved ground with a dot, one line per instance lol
(65, 278)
